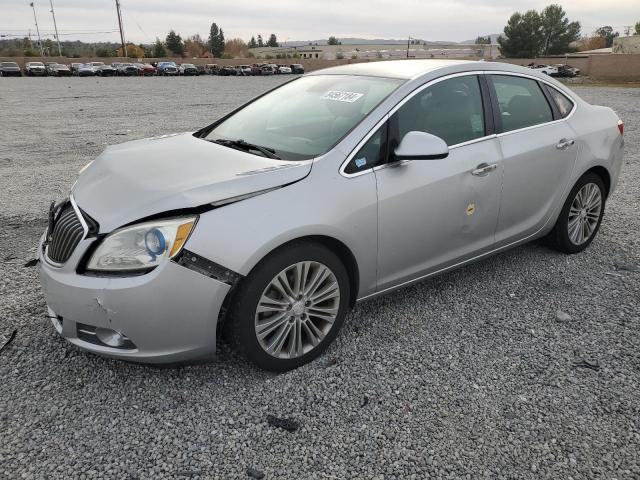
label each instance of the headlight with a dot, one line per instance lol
(142, 246)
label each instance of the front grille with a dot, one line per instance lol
(67, 233)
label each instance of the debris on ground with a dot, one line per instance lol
(31, 263)
(10, 339)
(562, 316)
(253, 473)
(287, 424)
(592, 365)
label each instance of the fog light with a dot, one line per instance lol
(110, 337)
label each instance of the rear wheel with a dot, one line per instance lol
(290, 307)
(581, 215)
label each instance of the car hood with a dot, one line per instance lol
(145, 177)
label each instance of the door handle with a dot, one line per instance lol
(564, 144)
(483, 169)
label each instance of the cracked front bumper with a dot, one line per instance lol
(169, 314)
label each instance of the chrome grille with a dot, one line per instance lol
(67, 233)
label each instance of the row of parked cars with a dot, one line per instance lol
(54, 69)
(557, 70)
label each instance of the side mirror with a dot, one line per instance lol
(421, 146)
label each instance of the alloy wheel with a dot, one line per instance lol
(297, 310)
(584, 213)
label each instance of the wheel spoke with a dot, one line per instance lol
(330, 291)
(313, 334)
(327, 314)
(321, 274)
(271, 324)
(275, 347)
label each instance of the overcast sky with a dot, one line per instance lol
(144, 20)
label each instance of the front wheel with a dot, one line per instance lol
(290, 307)
(581, 215)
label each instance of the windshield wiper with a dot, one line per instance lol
(267, 152)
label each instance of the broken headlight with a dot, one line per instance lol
(142, 246)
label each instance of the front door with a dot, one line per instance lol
(433, 214)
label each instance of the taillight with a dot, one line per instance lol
(621, 127)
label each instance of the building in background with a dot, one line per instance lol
(379, 51)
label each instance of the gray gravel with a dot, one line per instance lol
(526, 365)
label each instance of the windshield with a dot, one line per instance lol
(307, 117)
(9, 64)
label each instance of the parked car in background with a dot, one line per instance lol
(188, 69)
(201, 70)
(212, 68)
(566, 71)
(284, 69)
(48, 66)
(105, 71)
(74, 67)
(126, 70)
(388, 173)
(86, 70)
(268, 69)
(59, 70)
(296, 68)
(34, 69)
(227, 71)
(245, 70)
(546, 69)
(145, 69)
(10, 69)
(167, 69)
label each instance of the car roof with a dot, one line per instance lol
(409, 69)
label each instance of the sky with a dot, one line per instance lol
(144, 20)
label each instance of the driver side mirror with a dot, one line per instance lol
(421, 146)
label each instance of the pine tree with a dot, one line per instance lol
(174, 43)
(273, 41)
(216, 40)
(252, 42)
(260, 42)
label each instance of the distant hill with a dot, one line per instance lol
(494, 39)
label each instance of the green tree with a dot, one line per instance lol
(532, 34)
(483, 40)
(333, 41)
(273, 41)
(522, 36)
(252, 42)
(174, 43)
(608, 34)
(158, 49)
(260, 42)
(637, 28)
(216, 40)
(558, 32)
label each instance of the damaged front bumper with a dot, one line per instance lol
(167, 315)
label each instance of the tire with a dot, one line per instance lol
(568, 236)
(291, 324)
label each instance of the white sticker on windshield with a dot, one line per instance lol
(339, 96)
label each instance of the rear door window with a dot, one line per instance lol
(521, 102)
(562, 101)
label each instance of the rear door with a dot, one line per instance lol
(539, 153)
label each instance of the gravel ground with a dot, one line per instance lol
(472, 374)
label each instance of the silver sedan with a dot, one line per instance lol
(347, 183)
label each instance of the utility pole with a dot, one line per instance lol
(56, 28)
(124, 45)
(37, 29)
(627, 30)
(408, 43)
